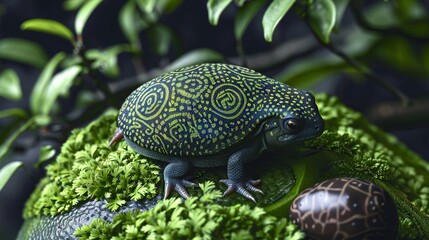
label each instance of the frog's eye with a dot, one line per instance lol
(293, 125)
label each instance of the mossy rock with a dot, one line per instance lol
(91, 191)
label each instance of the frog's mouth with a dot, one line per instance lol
(288, 138)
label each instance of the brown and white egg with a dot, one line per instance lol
(345, 208)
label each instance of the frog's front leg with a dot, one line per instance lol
(173, 178)
(237, 182)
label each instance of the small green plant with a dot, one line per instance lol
(197, 217)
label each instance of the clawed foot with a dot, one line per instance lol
(242, 187)
(178, 185)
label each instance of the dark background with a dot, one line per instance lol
(190, 22)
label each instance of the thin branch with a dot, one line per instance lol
(280, 55)
(366, 72)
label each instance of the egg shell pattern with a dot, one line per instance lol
(203, 109)
(345, 208)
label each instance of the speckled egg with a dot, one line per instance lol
(345, 208)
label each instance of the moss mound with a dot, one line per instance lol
(87, 170)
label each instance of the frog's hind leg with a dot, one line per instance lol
(237, 182)
(117, 136)
(173, 177)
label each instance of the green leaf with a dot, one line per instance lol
(46, 153)
(10, 87)
(305, 73)
(321, 17)
(71, 5)
(240, 3)
(13, 112)
(215, 9)
(160, 38)
(340, 6)
(48, 26)
(7, 171)
(24, 51)
(167, 6)
(245, 16)
(83, 15)
(146, 5)
(272, 16)
(129, 22)
(201, 55)
(5, 147)
(106, 60)
(38, 94)
(59, 86)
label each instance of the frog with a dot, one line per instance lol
(215, 115)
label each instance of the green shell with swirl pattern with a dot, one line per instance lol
(204, 109)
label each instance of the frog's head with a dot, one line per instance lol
(301, 122)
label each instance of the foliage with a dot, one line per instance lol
(90, 66)
(355, 48)
(86, 169)
(199, 217)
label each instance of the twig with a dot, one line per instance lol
(368, 73)
(280, 55)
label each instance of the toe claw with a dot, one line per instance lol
(241, 187)
(168, 188)
(178, 185)
(253, 189)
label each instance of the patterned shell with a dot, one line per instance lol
(203, 109)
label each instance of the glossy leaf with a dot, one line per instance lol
(201, 55)
(71, 5)
(272, 16)
(146, 5)
(7, 171)
(6, 145)
(106, 60)
(83, 14)
(46, 153)
(321, 17)
(245, 16)
(215, 9)
(340, 6)
(129, 22)
(13, 112)
(10, 87)
(23, 51)
(167, 6)
(240, 3)
(38, 94)
(48, 26)
(59, 86)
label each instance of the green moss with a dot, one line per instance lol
(86, 169)
(199, 217)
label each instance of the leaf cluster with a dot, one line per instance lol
(86, 169)
(196, 218)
